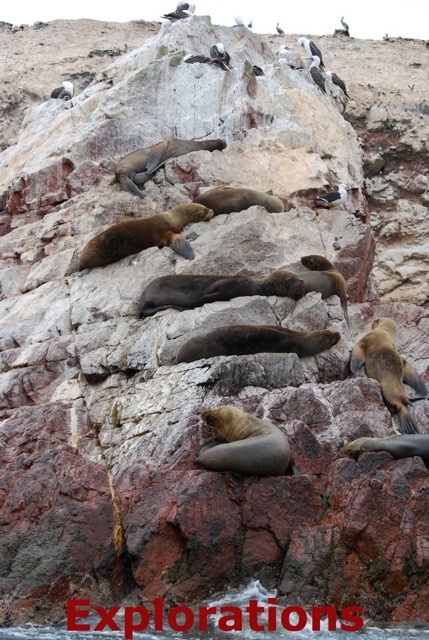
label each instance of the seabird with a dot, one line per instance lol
(337, 80)
(65, 92)
(218, 57)
(180, 13)
(334, 198)
(311, 49)
(316, 74)
(345, 25)
(218, 51)
(279, 30)
(239, 21)
(250, 24)
(257, 70)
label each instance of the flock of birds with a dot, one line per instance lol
(220, 58)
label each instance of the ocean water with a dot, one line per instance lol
(240, 599)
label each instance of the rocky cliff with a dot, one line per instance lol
(100, 495)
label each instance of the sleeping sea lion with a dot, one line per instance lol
(326, 279)
(228, 199)
(138, 167)
(189, 291)
(243, 339)
(131, 236)
(404, 446)
(377, 350)
(255, 447)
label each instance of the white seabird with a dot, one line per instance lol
(239, 21)
(65, 92)
(311, 49)
(334, 198)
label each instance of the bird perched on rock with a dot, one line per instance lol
(334, 198)
(218, 57)
(65, 92)
(279, 30)
(239, 21)
(312, 49)
(316, 74)
(257, 70)
(337, 81)
(183, 10)
(292, 59)
(345, 26)
(218, 51)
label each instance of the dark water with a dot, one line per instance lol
(240, 599)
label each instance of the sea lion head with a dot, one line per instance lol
(227, 420)
(286, 283)
(353, 449)
(385, 324)
(328, 338)
(193, 212)
(315, 262)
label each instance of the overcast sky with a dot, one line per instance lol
(366, 18)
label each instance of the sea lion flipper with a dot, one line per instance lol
(180, 245)
(130, 186)
(413, 379)
(406, 421)
(358, 358)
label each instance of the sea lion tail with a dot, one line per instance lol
(406, 421)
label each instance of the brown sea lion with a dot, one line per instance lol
(228, 199)
(404, 446)
(377, 350)
(326, 279)
(131, 236)
(255, 447)
(243, 339)
(138, 167)
(189, 291)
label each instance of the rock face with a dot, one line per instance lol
(100, 495)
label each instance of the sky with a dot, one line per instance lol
(371, 19)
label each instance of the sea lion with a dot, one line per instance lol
(255, 447)
(131, 236)
(138, 167)
(243, 339)
(228, 199)
(326, 279)
(377, 350)
(404, 446)
(189, 291)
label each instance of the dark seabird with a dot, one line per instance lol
(181, 13)
(257, 70)
(250, 24)
(345, 26)
(65, 92)
(218, 51)
(316, 74)
(334, 198)
(218, 57)
(279, 30)
(311, 49)
(337, 80)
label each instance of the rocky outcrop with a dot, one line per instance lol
(100, 495)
